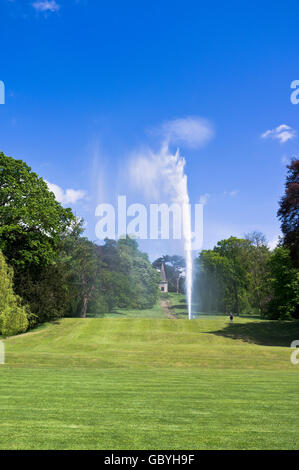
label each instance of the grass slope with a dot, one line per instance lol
(141, 383)
(155, 312)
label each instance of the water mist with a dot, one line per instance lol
(177, 165)
(168, 171)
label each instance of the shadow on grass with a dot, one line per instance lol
(265, 333)
(181, 307)
(103, 315)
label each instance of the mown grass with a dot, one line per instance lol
(179, 308)
(151, 383)
(155, 312)
(152, 409)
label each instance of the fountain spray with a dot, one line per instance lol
(183, 199)
(169, 168)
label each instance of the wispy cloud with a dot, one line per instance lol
(70, 196)
(283, 133)
(232, 193)
(204, 199)
(285, 160)
(191, 132)
(46, 5)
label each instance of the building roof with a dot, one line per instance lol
(163, 275)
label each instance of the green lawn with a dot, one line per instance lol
(151, 383)
(155, 312)
(179, 308)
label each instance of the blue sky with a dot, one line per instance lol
(89, 83)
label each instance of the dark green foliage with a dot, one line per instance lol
(259, 272)
(45, 290)
(83, 266)
(115, 290)
(289, 212)
(14, 316)
(284, 282)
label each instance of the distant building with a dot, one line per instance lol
(163, 286)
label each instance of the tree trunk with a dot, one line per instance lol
(84, 307)
(237, 299)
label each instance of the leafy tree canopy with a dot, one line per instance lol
(284, 279)
(288, 212)
(31, 220)
(13, 315)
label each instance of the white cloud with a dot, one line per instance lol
(192, 132)
(70, 196)
(283, 133)
(204, 199)
(46, 5)
(232, 193)
(273, 243)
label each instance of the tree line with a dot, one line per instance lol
(49, 270)
(244, 276)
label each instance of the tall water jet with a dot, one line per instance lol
(183, 199)
(149, 169)
(188, 250)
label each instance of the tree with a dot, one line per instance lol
(259, 254)
(31, 220)
(13, 315)
(143, 278)
(32, 224)
(224, 275)
(83, 266)
(114, 289)
(235, 266)
(131, 276)
(211, 292)
(288, 212)
(284, 285)
(46, 291)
